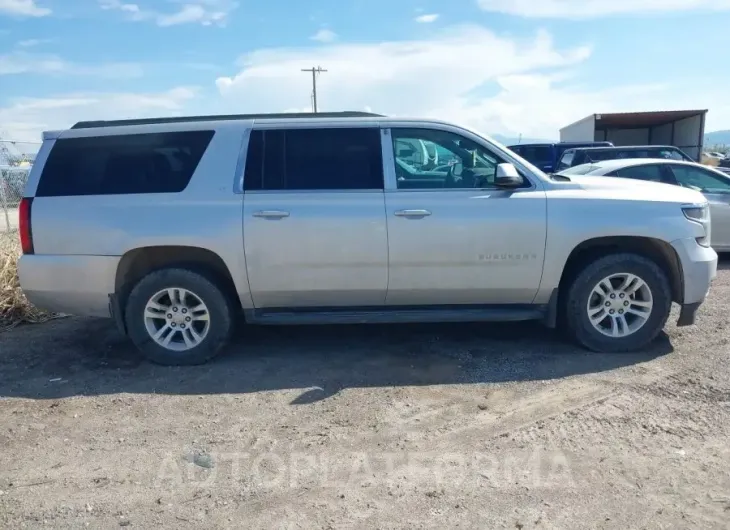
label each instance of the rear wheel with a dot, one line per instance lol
(178, 317)
(618, 303)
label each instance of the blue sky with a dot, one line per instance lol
(506, 67)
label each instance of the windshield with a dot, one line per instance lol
(582, 169)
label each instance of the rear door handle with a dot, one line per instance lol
(412, 213)
(271, 214)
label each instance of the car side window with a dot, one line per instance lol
(566, 160)
(538, 155)
(314, 159)
(431, 159)
(700, 179)
(651, 173)
(123, 164)
(670, 154)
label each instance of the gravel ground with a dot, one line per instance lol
(490, 426)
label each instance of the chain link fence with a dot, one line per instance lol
(12, 185)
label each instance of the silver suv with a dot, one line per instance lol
(175, 227)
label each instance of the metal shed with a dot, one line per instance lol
(682, 128)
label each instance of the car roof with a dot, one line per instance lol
(626, 148)
(618, 163)
(576, 144)
(225, 117)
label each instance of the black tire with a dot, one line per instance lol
(576, 315)
(220, 308)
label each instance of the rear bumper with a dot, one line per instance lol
(699, 269)
(75, 285)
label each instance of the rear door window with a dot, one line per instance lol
(651, 173)
(314, 159)
(123, 164)
(700, 179)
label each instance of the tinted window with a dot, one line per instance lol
(119, 164)
(314, 159)
(700, 179)
(652, 173)
(538, 155)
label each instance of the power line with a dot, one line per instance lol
(314, 71)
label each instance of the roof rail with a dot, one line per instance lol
(224, 117)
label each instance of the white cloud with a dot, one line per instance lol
(394, 77)
(427, 19)
(18, 62)
(324, 35)
(27, 8)
(497, 85)
(204, 12)
(25, 119)
(31, 43)
(578, 9)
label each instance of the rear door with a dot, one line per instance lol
(314, 218)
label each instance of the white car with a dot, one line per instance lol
(713, 183)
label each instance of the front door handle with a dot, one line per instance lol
(412, 213)
(271, 214)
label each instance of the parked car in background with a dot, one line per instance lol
(583, 155)
(546, 155)
(176, 227)
(713, 184)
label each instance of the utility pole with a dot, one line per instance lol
(314, 71)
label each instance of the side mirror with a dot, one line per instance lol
(507, 177)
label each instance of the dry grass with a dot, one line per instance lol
(14, 306)
(709, 161)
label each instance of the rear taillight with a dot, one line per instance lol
(26, 234)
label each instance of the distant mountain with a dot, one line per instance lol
(717, 138)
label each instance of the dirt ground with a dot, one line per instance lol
(489, 426)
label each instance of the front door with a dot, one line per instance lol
(716, 188)
(313, 218)
(453, 237)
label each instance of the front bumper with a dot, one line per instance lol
(688, 314)
(699, 269)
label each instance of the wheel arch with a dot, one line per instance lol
(139, 262)
(660, 252)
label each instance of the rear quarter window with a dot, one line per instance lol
(123, 164)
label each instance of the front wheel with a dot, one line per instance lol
(178, 317)
(618, 303)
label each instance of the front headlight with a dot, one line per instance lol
(699, 213)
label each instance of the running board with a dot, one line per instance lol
(396, 316)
